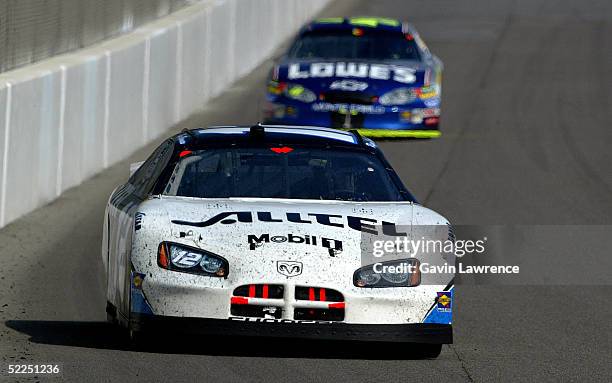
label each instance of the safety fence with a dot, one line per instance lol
(33, 30)
(66, 118)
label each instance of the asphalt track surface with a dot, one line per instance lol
(526, 140)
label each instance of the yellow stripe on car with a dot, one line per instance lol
(382, 133)
(389, 22)
(330, 20)
(373, 21)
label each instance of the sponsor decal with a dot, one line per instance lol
(347, 108)
(270, 311)
(273, 320)
(430, 112)
(138, 301)
(444, 301)
(138, 221)
(289, 268)
(402, 74)
(362, 224)
(432, 102)
(348, 85)
(441, 311)
(332, 245)
(431, 121)
(137, 279)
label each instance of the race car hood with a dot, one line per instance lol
(370, 77)
(291, 243)
(282, 229)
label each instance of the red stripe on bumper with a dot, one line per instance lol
(311, 294)
(240, 301)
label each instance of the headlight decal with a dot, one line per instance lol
(183, 258)
(291, 90)
(396, 273)
(299, 93)
(187, 259)
(403, 96)
(399, 96)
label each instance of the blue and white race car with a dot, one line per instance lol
(375, 75)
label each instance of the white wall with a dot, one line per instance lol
(65, 119)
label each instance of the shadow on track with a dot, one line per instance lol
(101, 335)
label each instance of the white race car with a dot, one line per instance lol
(270, 231)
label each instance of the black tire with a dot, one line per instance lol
(428, 351)
(134, 339)
(111, 314)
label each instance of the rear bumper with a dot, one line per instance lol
(409, 333)
(417, 121)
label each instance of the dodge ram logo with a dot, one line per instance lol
(289, 268)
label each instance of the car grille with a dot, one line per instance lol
(260, 291)
(317, 294)
(344, 97)
(275, 301)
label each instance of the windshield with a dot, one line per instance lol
(282, 173)
(373, 45)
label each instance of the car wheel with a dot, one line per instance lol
(136, 339)
(428, 351)
(111, 314)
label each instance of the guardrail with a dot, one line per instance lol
(65, 119)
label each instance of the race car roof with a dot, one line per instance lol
(246, 136)
(275, 133)
(347, 23)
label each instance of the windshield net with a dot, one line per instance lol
(282, 173)
(377, 46)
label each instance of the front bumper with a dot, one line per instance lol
(408, 333)
(186, 296)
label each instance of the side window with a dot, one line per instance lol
(145, 177)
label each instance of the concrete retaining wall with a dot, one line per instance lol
(64, 119)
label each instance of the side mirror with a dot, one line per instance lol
(134, 167)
